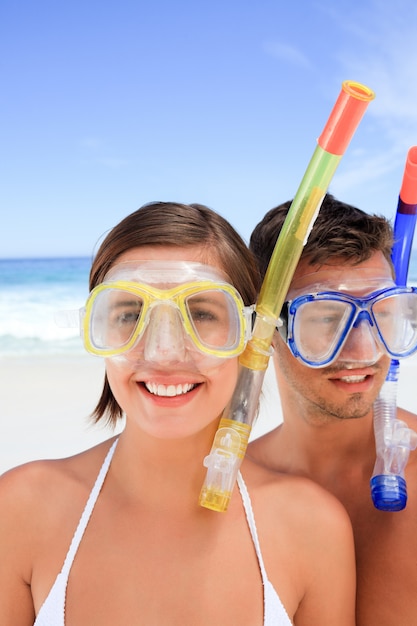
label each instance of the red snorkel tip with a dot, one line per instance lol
(345, 117)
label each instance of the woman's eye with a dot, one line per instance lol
(203, 315)
(129, 317)
(124, 316)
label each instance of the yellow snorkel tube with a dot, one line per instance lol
(232, 436)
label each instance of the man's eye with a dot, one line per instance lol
(331, 319)
(323, 319)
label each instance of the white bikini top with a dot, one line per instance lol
(52, 611)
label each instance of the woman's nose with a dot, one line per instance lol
(164, 336)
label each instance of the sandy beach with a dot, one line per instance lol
(45, 403)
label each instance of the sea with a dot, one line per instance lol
(35, 292)
(33, 295)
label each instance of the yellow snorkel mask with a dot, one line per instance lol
(145, 307)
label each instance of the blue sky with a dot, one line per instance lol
(108, 105)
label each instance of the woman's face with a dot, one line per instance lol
(164, 384)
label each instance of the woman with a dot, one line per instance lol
(166, 312)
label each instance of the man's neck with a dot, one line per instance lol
(325, 452)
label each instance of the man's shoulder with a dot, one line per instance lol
(265, 451)
(408, 417)
(296, 493)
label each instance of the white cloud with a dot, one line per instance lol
(379, 49)
(366, 169)
(287, 53)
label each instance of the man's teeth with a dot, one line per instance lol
(169, 390)
(353, 379)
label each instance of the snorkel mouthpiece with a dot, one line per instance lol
(228, 450)
(393, 440)
(389, 492)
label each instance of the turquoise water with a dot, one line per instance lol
(32, 291)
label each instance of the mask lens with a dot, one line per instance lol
(214, 319)
(319, 328)
(396, 319)
(114, 318)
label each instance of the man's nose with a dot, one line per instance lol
(361, 345)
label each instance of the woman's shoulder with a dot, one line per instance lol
(306, 539)
(28, 485)
(41, 504)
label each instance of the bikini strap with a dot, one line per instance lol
(247, 504)
(85, 517)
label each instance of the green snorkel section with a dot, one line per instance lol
(230, 442)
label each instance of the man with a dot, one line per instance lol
(330, 365)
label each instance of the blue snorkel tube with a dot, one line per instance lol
(393, 438)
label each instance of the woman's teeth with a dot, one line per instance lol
(169, 390)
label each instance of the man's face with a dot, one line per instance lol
(348, 386)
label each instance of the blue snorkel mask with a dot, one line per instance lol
(318, 326)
